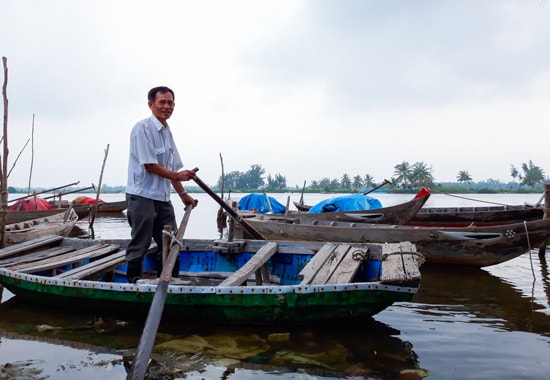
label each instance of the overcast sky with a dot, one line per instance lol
(307, 89)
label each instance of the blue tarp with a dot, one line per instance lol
(260, 203)
(346, 203)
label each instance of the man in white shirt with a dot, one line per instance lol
(153, 167)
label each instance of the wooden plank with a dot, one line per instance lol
(67, 258)
(95, 268)
(35, 256)
(28, 245)
(331, 264)
(255, 262)
(349, 266)
(316, 262)
(401, 264)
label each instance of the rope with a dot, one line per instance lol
(470, 199)
(173, 239)
(360, 255)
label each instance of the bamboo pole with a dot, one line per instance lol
(17, 158)
(546, 209)
(94, 206)
(46, 191)
(4, 166)
(32, 155)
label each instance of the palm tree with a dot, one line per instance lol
(402, 173)
(464, 177)
(345, 182)
(369, 181)
(532, 174)
(357, 182)
(421, 175)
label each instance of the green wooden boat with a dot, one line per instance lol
(243, 281)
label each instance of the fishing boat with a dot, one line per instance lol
(60, 223)
(401, 213)
(472, 246)
(475, 216)
(84, 204)
(18, 216)
(241, 281)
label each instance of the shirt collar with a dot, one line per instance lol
(158, 125)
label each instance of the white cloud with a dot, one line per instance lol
(307, 89)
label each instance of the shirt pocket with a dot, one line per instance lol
(160, 153)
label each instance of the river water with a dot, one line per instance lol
(462, 324)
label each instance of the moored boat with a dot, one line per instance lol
(472, 246)
(60, 223)
(243, 281)
(396, 214)
(475, 216)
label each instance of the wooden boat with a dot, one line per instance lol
(60, 223)
(18, 216)
(301, 206)
(473, 246)
(397, 214)
(474, 216)
(244, 281)
(102, 207)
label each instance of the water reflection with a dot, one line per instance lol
(481, 296)
(370, 349)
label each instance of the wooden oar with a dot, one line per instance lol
(238, 218)
(377, 187)
(45, 191)
(141, 359)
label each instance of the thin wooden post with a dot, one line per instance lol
(546, 209)
(95, 206)
(4, 166)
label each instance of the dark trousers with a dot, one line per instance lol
(147, 218)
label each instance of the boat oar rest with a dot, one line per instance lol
(73, 257)
(255, 264)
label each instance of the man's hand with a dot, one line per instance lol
(185, 175)
(189, 200)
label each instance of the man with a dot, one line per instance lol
(153, 166)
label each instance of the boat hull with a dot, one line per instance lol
(285, 298)
(284, 304)
(472, 246)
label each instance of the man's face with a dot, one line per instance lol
(163, 106)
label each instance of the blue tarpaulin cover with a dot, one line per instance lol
(346, 203)
(259, 202)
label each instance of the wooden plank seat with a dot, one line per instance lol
(254, 264)
(72, 257)
(95, 268)
(35, 256)
(29, 245)
(338, 263)
(326, 264)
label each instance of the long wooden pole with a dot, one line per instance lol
(145, 347)
(238, 218)
(377, 187)
(45, 191)
(96, 205)
(4, 166)
(32, 156)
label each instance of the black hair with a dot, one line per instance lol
(151, 96)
